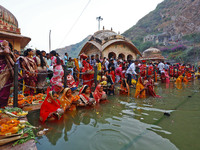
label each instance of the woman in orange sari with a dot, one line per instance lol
(140, 89)
(50, 109)
(68, 99)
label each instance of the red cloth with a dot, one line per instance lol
(150, 90)
(48, 107)
(87, 78)
(112, 74)
(142, 70)
(150, 70)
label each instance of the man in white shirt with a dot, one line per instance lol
(161, 66)
(129, 72)
(106, 64)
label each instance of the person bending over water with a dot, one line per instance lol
(67, 100)
(99, 94)
(124, 89)
(150, 88)
(50, 109)
(140, 89)
(86, 97)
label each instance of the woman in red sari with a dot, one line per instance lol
(124, 88)
(88, 74)
(50, 109)
(150, 88)
(86, 97)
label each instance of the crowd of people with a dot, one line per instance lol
(36, 68)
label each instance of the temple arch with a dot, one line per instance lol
(111, 54)
(121, 56)
(129, 57)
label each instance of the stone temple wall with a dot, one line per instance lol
(119, 49)
(92, 51)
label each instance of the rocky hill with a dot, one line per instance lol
(174, 17)
(172, 23)
(72, 50)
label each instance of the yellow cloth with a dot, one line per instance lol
(103, 83)
(139, 87)
(77, 67)
(179, 80)
(98, 70)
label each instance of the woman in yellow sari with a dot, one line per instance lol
(77, 68)
(140, 89)
(179, 79)
(68, 99)
(98, 70)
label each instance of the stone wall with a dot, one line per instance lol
(119, 49)
(92, 50)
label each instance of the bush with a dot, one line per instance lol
(178, 48)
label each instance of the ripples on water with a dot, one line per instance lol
(126, 123)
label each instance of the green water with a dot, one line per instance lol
(125, 123)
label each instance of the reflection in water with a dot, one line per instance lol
(127, 123)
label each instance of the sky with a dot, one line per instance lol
(70, 21)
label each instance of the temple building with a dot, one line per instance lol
(10, 31)
(152, 54)
(107, 43)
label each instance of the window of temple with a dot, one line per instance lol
(111, 54)
(129, 57)
(121, 56)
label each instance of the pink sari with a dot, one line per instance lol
(97, 94)
(57, 73)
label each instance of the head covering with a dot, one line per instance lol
(49, 105)
(140, 81)
(97, 94)
(84, 62)
(64, 92)
(64, 101)
(84, 56)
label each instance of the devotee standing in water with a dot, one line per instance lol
(50, 109)
(140, 91)
(68, 99)
(161, 66)
(99, 94)
(129, 72)
(6, 72)
(86, 97)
